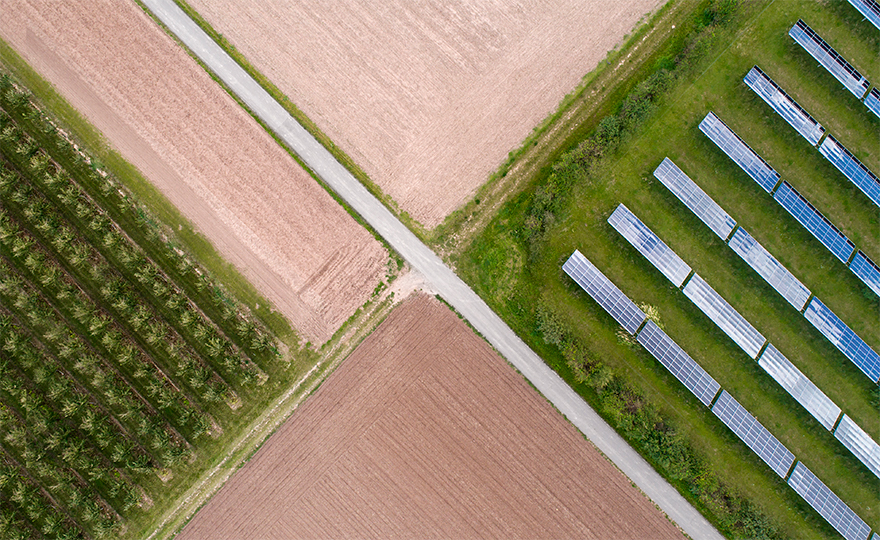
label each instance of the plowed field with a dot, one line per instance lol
(427, 97)
(424, 432)
(163, 112)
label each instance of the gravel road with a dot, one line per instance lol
(450, 287)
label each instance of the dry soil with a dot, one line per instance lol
(425, 432)
(163, 112)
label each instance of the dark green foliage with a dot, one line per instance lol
(116, 346)
(643, 426)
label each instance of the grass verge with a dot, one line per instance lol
(514, 261)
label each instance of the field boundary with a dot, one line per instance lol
(268, 423)
(296, 113)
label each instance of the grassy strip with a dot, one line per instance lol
(653, 45)
(514, 263)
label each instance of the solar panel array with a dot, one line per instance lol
(617, 304)
(751, 432)
(735, 148)
(872, 102)
(722, 314)
(851, 167)
(770, 269)
(867, 271)
(814, 222)
(682, 366)
(799, 386)
(649, 245)
(783, 104)
(829, 505)
(869, 9)
(859, 443)
(694, 198)
(849, 76)
(840, 335)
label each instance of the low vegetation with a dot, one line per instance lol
(123, 362)
(514, 263)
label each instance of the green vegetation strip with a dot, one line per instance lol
(514, 261)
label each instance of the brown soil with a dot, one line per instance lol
(425, 432)
(164, 114)
(427, 97)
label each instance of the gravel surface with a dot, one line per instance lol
(450, 286)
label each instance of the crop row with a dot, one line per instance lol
(113, 202)
(116, 348)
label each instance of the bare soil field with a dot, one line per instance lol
(425, 432)
(164, 114)
(428, 98)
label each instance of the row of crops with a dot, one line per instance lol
(116, 349)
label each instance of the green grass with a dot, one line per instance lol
(627, 178)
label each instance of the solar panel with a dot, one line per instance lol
(782, 103)
(869, 9)
(722, 314)
(644, 240)
(604, 292)
(682, 366)
(848, 76)
(872, 102)
(814, 221)
(859, 443)
(741, 154)
(867, 271)
(751, 432)
(770, 269)
(694, 198)
(829, 505)
(851, 167)
(840, 335)
(799, 386)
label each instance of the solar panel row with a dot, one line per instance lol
(872, 102)
(751, 432)
(724, 316)
(829, 505)
(682, 366)
(846, 341)
(605, 293)
(649, 245)
(784, 105)
(851, 167)
(859, 443)
(849, 76)
(741, 154)
(694, 198)
(773, 272)
(799, 387)
(869, 9)
(867, 271)
(814, 222)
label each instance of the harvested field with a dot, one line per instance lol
(427, 97)
(424, 432)
(163, 112)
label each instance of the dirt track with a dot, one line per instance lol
(161, 110)
(425, 432)
(427, 97)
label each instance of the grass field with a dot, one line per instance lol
(516, 276)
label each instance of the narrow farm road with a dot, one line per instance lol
(453, 289)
